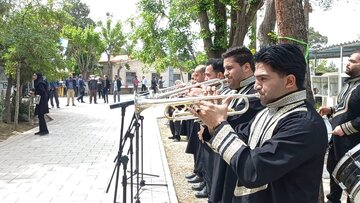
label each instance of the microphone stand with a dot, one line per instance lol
(120, 159)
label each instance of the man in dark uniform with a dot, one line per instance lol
(239, 69)
(279, 156)
(214, 70)
(345, 122)
(194, 127)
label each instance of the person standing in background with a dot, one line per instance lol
(135, 82)
(40, 88)
(161, 82)
(117, 88)
(54, 93)
(81, 88)
(93, 85)
(106, 89)
(99, 87)
(345, 123)
(154, 84)
(70, 84)
(143, 84)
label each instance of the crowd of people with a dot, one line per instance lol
(274, 152)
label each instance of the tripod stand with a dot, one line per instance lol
(142, 183)
(120, 159)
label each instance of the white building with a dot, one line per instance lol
(127, 68)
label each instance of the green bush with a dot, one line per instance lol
(23, 109)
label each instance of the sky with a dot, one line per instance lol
(340, 23)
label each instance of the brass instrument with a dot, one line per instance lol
(142, 104)
(173, 92)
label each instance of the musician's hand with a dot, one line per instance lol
(211, 114)
(338, 131)
(324, 110)
(194, 92)
(200, 134)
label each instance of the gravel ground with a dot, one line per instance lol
(180, 164)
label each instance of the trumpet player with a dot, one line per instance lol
(213, 70)
(192, 129)
(279, 156)
(239, 71)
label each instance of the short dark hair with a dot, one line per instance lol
(285, 59)
(241, 55)
(217, 64)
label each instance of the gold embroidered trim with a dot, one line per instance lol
(247, 81)
(242, 191)
(291, 98)
(221, 135)
(348, 128)
(234, 146)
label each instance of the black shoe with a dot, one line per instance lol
(176, 140)
(43, 133)
(202, 194)
(172, 137)
(82, 102)
(329, 201)
(58, 107)
(190, 176)
(198, 186)
(36, 133)
(196, 179)
(67, 104)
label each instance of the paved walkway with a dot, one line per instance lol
(74, 162)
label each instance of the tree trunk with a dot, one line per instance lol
(8, 100)
(17, 97)
(232, 26)
(206, 33)
(244, 16)
(252, 45)
(109, 71)
(291, 28)
(268, 24)
(220, 38)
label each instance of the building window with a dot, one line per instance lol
(129, 77)
(176, 76)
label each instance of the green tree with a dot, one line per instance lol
(85, 47)
(113, 39)
(79, 12)
(29, 38)
(163, 34)
(316, 40)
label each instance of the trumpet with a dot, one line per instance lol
(182, 114)
(173, 92)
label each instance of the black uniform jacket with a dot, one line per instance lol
(280, 156)
(347, 116)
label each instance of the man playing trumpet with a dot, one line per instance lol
(279, 156)
(239, 70)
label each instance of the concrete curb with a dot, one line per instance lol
(168, 178)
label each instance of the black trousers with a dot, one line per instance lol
(175, 127)
(54, 94)
(335, 190)
(81, 97)
(42, 123)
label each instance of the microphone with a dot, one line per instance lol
(122, 104)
